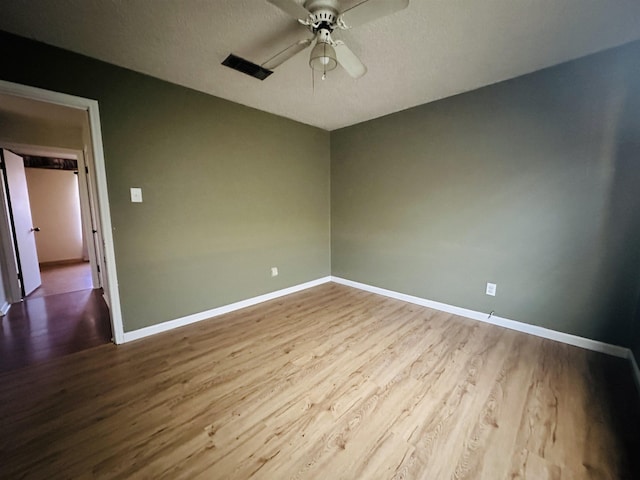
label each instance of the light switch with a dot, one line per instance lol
(136, 195)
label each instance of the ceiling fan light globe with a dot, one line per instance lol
(323, 58)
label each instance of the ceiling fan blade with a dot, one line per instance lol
(292, 8)
(281, 57)
(349, 61)
(370, 10)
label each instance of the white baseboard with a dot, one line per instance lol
(568, 338)
(4, 309)
(636, 370)
(197, 317)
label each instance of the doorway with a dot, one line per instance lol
(62, 248)
(66, 257)
(60, 309)
(96, 223)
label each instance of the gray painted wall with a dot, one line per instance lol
(531, 184)
(228, 191)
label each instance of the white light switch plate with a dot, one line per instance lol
(136, 195)
(491, 289)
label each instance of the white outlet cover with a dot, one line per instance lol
(491, 289)
(136, 195)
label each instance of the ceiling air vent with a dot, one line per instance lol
(245, 66)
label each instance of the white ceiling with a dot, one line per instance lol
(431, 50)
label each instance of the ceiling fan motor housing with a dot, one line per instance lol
(324, 13)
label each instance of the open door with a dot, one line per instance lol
(23, 228)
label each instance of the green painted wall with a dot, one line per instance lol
(228, 191)
(532, 184)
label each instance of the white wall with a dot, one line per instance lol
(21, 129)
(55, 208)
(40, 123)
(5, 253)
(3, 297)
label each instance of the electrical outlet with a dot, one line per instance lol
(491, 289)
(274, 271)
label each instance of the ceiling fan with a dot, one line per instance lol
(321, 18)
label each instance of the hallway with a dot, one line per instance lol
(64, 278)
(61, 317)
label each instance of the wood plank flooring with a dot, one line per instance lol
(329, 383)
(42, 328)
(63, 278)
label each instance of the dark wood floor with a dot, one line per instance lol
(329, 383)
(64, 315)
(43, 328)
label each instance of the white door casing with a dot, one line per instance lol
(90, 226)
(110, 275)
(9, 263)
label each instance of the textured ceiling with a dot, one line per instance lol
(431, 50)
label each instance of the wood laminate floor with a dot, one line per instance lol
(63, 278)
(42, 328)
(328, 383)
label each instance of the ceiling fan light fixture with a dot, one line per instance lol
(323, 57)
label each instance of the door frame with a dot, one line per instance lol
(87, 198)
(9, 271)
(95, 159)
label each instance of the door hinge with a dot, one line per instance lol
(86, 170)
(98, 268)
(2, 167)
